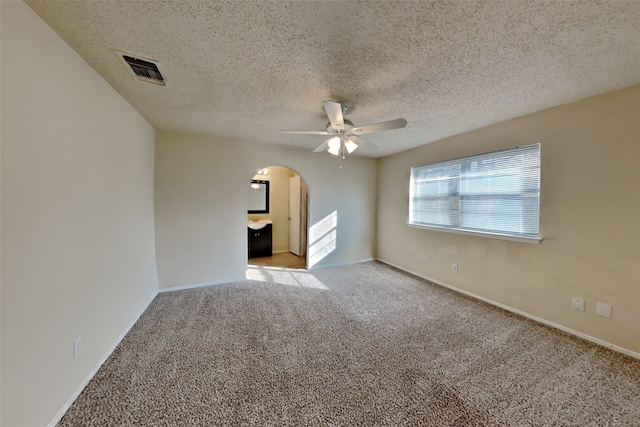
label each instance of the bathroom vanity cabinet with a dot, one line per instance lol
(260, 238)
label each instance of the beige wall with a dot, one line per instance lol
(77, 218)
(589, 219)
(278, 178)
(201, 204)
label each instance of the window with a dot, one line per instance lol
(495, 193)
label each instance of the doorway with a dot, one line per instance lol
(277, 234)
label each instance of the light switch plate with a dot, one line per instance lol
(603, 309)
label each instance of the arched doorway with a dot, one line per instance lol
(277, 218)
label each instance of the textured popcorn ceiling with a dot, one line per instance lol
(245, 69)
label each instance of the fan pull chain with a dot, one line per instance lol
(342, 153)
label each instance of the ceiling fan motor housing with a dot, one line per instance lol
(340, 129)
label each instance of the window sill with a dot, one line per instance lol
(531, 240)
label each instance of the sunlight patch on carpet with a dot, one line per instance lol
(284, 276)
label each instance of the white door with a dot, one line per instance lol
(294, 215)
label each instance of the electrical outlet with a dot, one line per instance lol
(77, 346)
(603, 309)
(454, 268)
(577, 304)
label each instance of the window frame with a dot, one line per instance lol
(469, 231)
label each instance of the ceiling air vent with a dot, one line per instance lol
(143, 69)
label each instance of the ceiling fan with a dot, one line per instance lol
(344, 135)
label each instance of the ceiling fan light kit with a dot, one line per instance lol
(335, 144)
(344, 136)
(350, 146)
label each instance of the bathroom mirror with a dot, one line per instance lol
(258, 197)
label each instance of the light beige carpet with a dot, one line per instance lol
(360, 345)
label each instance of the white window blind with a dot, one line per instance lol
(495, 193)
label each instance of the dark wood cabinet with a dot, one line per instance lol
(260, 241)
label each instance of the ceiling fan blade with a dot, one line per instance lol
(361, 142)
(334, 112)
(304, 132)
(323, 146)
(377, 127)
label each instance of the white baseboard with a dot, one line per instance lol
(594, 340)
(63, 410)
(280, 252)
(200, 285)
(339, 264)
